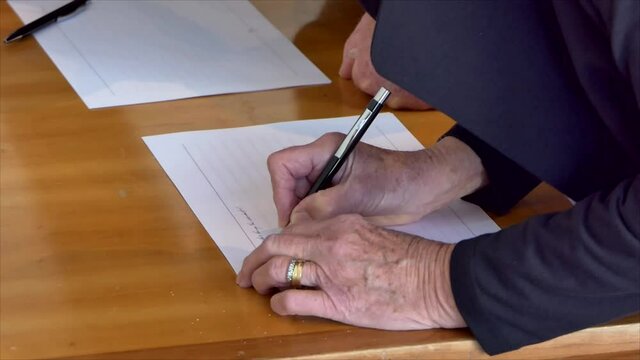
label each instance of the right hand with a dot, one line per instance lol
(384, 186)
(357, 65)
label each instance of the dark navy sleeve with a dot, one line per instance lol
(553, 274)
(371, 7)
(553, 86)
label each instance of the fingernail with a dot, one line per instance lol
(242, 283)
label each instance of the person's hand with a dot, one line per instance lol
(358, 274)
(386, 187)
(356, 65)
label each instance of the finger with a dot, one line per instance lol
(366, 78)
(404, 100)
(319, 206)
(299, 215)
(302, 223)
(275, 245)
(390, 220)
(304, 302)
(273, 275)
(287, 169)
(307, 227)
(348, 59)
(325, 232)
(292, 170)
(326, 204)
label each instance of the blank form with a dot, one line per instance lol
(130, 52)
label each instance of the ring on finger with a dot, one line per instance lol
(294, 272)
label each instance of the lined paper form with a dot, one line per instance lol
(130, 52)
(223, 176)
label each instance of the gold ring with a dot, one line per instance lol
(294, 272)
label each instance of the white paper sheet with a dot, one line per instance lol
(129, 52)
(223, 176)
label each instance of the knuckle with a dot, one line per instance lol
(245, 262)
(350, 49)
(324, 207)
(369, 87)
(360, 81)
(277, 269)
(332, 137)
(255, 280)
(274, 159)
(314, 274)
(270, 243)
(394, 102)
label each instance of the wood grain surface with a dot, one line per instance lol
(100, 257)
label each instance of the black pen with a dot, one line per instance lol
(53, 16)
(350, 141)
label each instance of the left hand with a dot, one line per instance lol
(357, 273)
(357, 65)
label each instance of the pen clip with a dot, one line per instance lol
(351, 135)
(73, 13)
(372, 110)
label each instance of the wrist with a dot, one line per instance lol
(455, 169)
(439, 304)
(461, 165)
(451, 315)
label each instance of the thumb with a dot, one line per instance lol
(323, 205)
(299, 215)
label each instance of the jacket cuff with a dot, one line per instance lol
(465, 295)
(371, 7)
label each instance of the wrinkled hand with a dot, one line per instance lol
(356, 65)
(386, 187)
(358, 274)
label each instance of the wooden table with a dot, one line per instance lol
(101, 257)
